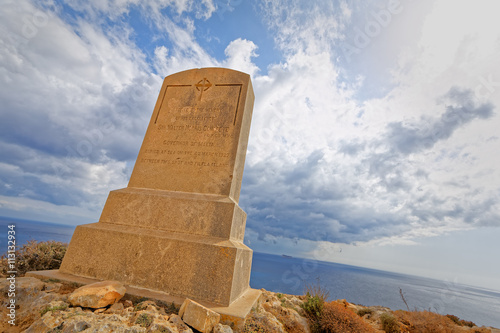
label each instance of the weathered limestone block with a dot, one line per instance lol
(198, 316)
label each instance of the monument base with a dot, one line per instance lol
(179, 212)
(233, 315)
(203, 268)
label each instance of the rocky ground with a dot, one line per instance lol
(46, 306)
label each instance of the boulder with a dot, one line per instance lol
(198, 316)
(97, 295)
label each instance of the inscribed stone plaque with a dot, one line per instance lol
(197, 137)
(177, 228)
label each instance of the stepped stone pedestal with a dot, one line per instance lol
(177, 229)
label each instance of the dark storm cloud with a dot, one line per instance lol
(31, 128)
(462, 109)
(308, 205)
(53, 154)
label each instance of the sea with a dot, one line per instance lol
(289, 275)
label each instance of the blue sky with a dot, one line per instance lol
(374, 137)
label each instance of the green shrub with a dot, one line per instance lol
(52, 308)
(389, 323)
(313, 306)
(316, 297)
(37, 256)
(144, 320)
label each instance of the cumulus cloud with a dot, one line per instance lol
(239, 55)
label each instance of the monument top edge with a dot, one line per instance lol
(211, 69)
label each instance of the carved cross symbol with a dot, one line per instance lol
(202, 86)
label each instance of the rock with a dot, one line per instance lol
(161, 324)
(295, 301)
(97, 295)
(31, 298)
(49, 321)
(116, 308)
(348, 305)
(179, 324)
(283, 310)
(219, 328)
(54, 287)
(127, 304)
(75, 326)
(263, 322)
(27, 288)
(198, 316)
(147, 305)
(77, 320)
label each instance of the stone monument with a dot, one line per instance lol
(177, 227)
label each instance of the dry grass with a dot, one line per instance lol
(336, 318)
(430, 322)
(36, 256)
(461, 322)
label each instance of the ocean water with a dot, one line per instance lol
(32, 230)
(355, 284)
(373, 287)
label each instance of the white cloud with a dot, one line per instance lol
(116, 8)
(312, 27)
(38, 210)
(239, 55)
